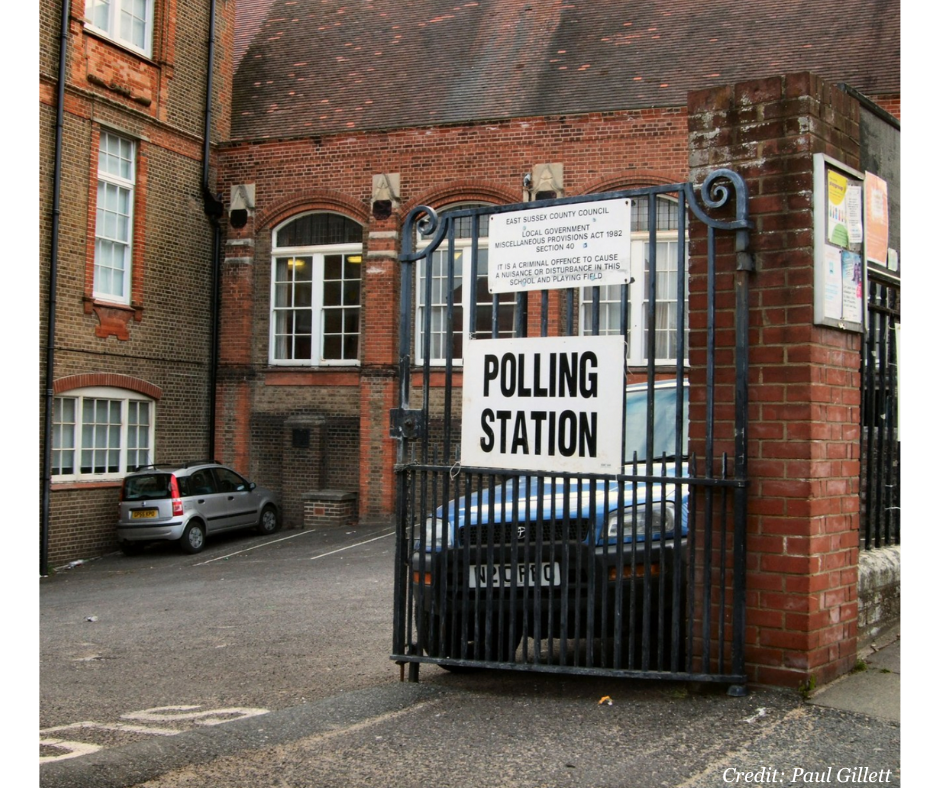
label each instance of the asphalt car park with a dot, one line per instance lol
(252, 621)
(264, 661)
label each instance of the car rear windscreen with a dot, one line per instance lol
(148, 486)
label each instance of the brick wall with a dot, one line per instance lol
(163, 338)
(804, 379)
(438, 166)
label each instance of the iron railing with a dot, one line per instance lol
(880, 483)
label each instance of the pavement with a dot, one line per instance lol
(874, 688)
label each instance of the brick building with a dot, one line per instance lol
(130, 247)
(338, 108)
(344, 118)
(340, 119)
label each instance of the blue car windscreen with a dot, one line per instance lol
(664, 423)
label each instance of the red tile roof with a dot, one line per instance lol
(321, 66)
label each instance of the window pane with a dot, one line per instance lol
(666, 293)
(333, 266)
(303, 348)
(332, 347)
(302, 269)
(332, 293)
(303, 294)
(99, 12)
(319, 229)
(333, 321)
(667, 214)
(282, 295)
(303, 321)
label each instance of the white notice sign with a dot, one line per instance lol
(543, 404)
(577, 245)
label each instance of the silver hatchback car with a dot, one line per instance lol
(188, 502)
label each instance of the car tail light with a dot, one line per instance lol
(175, 495)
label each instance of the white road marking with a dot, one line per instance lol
(73, 749)
(350, 546)
(293, 536)
(255, 547)
(210, 717)
(112, 726)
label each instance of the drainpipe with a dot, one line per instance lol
(214, 209)
(53, 280)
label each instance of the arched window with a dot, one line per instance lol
(635, 298)
(101, 433)
(437, 303)
(316, 285)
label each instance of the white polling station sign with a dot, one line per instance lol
(576, 245)
(543, 404)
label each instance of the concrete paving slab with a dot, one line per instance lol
(874, 691)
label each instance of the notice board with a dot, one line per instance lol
(839, 244)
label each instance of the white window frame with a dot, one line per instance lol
(107, 16)
(637, 296)
(462, 247)
(315, 255)
(74, 440)
(109, 218)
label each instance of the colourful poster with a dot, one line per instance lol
(876, 219)
(838, 217)
(852, 289)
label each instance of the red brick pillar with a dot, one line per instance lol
(379, 378)
(803, 447)
(233, 394)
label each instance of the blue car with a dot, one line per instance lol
(559, 556)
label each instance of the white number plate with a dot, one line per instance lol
(547, 574)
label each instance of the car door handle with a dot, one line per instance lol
(201, 500)
(231, 497)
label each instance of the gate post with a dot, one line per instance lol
(803, 443)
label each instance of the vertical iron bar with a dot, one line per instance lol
(893, 491)
(741, 408)
(868, 417)
(879, 395)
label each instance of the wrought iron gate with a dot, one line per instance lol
(635, 573)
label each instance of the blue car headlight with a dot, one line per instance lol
(662, 520)
(436, 531)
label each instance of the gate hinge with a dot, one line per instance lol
(406, 424)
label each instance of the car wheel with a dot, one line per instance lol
(269, 523)
(131, 548)
(193, 539)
